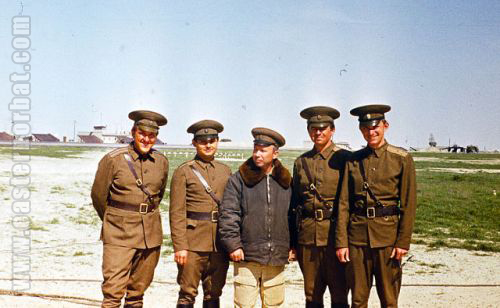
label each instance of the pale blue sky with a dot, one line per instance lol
(258, 63)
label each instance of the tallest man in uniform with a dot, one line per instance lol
(376, 211)
(128, 187)
(316, 181)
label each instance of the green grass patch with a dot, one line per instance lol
(454, 164)
(54, 221)
(81, 254)
(56, 189)
(56, 151)
(461, 156)
(36, 227)
(458, 210)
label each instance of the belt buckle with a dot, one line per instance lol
(141, 206)
(370, 212)
(318, 215)
(214, 216)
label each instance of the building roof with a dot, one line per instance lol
(89, 139)
(6, 137)
(45, 138)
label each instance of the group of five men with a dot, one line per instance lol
(345, 217)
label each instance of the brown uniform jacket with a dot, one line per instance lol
(187, 193)
(390, 173)
(326, 170)
(115, 181)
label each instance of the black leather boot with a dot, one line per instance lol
(314, 305)
(213, 303)
(185, 306)
(340, 305)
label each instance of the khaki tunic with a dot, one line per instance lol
(188, 194)
(326, 170)
(390, 172)
(115, 181)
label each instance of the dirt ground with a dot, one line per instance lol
(66, 255)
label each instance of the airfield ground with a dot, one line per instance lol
(456, 251)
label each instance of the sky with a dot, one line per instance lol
(259, 63)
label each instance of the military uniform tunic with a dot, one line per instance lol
(390, 173)
(199, 237)
(314, 238)
(128, 235)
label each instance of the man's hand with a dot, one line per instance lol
(343, 255)
(237, 255)
(181, 257)
(398, 253)
(292, 255)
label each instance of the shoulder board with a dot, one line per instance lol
(187, 163)
(220, 163)
(118, 151)
(397, 150)
(155, 151)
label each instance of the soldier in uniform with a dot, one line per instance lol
(196, 191)
(376, 211)
(127, 190)
(316, 181)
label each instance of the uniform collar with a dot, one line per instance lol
(136, 155)
(379, 151)
(326, 151)
(203, 163)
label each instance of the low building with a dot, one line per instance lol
(6, 137)
(42, 138)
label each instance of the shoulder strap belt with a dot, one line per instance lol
(366, 186)
(208, 189)
(138, 181)
(312, 187)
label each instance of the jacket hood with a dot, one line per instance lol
(251, 174)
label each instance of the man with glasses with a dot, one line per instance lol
(195, 194)
(127, 190)
(376, 211)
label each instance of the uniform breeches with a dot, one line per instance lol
(210, 268)
(127, 270)
(321, 268)
(367, 263)
(252, 279)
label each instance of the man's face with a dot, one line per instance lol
(321, 135)
(143, 140)
(206, 148)
(374, 135)
(263, 156)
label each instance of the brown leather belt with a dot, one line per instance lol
(210, 216)
(319, 214)
(377, 211)
(142, 208)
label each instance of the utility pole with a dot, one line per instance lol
(74, 130)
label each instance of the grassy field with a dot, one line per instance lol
(454, 209)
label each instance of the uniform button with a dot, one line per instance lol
(268, 244)
(373, 169)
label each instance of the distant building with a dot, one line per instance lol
(99, 132)
(6, 137)
(42, 138)
(89, 139)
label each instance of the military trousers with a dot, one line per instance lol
(127, 270)
(210, 268)
(252, 279)
(321, 268)
(367, 263)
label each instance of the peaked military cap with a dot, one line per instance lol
(147, 120)
(205, 129)
(370, 115)
(266, 137)
(319, 116)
